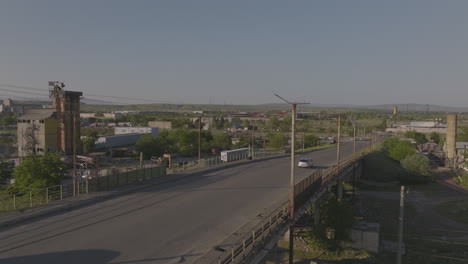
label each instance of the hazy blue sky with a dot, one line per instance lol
(353, 52)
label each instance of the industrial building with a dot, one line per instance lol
(426, 127)
(37, 132)
(125, 136)
(160, 124)
(55, 129)
(154, 131)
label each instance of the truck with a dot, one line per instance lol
(235, 154)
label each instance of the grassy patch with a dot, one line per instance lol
(347, 255)
(455, 210)
(462, 180)
(315, 148)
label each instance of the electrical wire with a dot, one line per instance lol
(87, 94)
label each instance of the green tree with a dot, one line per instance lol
(88, 141)
(244, 141)
(274, 123)
(420, 138)
(462, 134)
(382, 126)
(149, 146)
(310, 141)
(180, 123)
(6, 169)
(390, 143)
(416, 165)
(277, 141)
(435, 137)
(336, 220)
(286, 124)
(221, 141)
(401, 150)
(38, 172)
(8, 120)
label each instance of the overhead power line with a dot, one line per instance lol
(21, 92)
(87, 94)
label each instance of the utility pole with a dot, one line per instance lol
(338, 143)
(400, 224)
(74, 154)
(291, 180)
(365, 137)
(199, 139)
(303, 140)
(354, 135)
(253, 137)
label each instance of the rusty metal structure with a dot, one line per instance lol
(66, 105)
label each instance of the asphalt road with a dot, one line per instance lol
(170, 223)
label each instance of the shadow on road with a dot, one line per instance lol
(69, 257)
(87, 256)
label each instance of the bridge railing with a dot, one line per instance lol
(104, 179)
(252, 243)
(216, 161)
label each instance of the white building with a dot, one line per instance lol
(154, 131)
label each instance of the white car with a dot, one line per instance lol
(304, 163)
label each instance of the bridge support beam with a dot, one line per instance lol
(339, 190)
(317, 213)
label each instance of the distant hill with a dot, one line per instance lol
(91, 105)
(417, 108)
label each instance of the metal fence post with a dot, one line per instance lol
(30, 199)
(243, 249)
(118, 177)
(14, 202)
(87, 185)
(47, 194)
(271, 224)
(253, 242)
(232, 254)
(79, 183)
(61, 192)
(263, 232)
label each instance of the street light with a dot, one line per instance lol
(291, 181)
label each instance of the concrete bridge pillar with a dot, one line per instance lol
(339, 190)
(317, 213)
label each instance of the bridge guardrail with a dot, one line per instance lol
(108, 178)
(250, 244)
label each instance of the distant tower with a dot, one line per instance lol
(451, 150)
(67, 108)
(395, 112)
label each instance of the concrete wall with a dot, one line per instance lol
(366, 236)
(45, 136)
